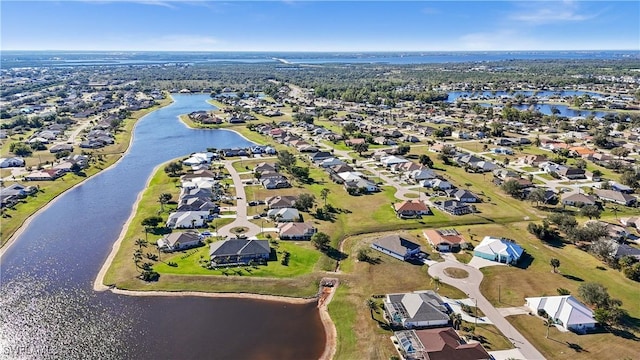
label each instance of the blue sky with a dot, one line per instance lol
(199, 25)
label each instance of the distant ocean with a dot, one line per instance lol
(11, 59)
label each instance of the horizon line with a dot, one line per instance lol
(321, 51)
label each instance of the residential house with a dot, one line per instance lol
(499, 250)
(284, 214)
(614, 231)
(421, 174)
(566, 312)
(319, 156)
(533, 160)
(437, 344)
(60, 147)
(177, 241)
(572, 173)
(454, 207)
(396, 246)
(578, 199)
(615, 197)
(239, 251)
(280, 202)
(390, 160)
(11, 162)
(274, 181)
(445, 239)
(266, 167)
(465, 196)
(11, 194)
(438, 184)
(44, 175)
(330, 162)
(296, 231)
(622, 250)
(186, 219)
(411, 209)
(362, 185)
(415, 310)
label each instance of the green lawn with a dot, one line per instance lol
(303, 258)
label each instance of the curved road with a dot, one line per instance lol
(471, 287)
(241, 207)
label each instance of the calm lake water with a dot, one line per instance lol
(48, 308)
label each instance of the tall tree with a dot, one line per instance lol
(425, 160)
(320, 240)
(163, 199)
(286, 159)
(324, 194)
(555, 263)
(372, 305)
(360, 148)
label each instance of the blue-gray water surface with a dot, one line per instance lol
(48, 308)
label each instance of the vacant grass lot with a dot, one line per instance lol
(567, 345)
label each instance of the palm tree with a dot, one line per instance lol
(373, 306)
(164, 199)
(456, 320)
(141, 243)
(555, 263)
(137, 256)
(615, 210)
(436, 282)
(324, 193)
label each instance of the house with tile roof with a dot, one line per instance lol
(438, 344)
(411, 209)
(444, 239)
(239, 251)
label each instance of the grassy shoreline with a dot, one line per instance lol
(50, 190)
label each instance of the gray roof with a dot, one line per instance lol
(241, 247)
(421, 306)
(182, 237)
(396, 244)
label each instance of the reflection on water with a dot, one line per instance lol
(40, 323)
(48, 308)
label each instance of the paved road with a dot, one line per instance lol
(241, 207)
(470, 286)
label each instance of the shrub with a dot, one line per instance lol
(563, 291)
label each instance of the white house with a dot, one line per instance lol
(330, 162)
(198, 158)
(284, 214)
(437, 183)
(11, 162)
(566, 311)
(392, 160)
(186, 219)
(499, 250)
(422, 174)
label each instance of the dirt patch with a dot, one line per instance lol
(456, 273)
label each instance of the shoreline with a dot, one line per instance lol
(31, 217)
(209, 129)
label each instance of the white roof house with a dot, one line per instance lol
(566, 311)
(331, 162)
(500, 250)
(391, 160)
(284, 214)
(186, 219)
(199, 158)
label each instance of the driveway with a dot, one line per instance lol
(470, 286)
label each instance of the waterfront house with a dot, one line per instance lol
(44, 175)
(177, 241)
(566, 312)
(186, 219)
(396, 246)
(444, 239)
(437, 344)
(454, 207)
(415, 310)
(239, 251)
(499, 250)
